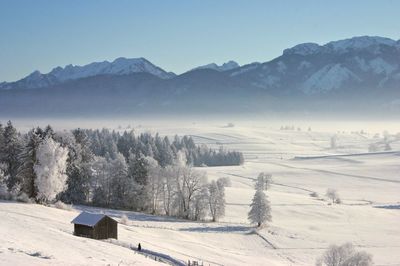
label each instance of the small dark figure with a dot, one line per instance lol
(139, 247)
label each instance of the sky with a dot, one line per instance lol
(177, 35)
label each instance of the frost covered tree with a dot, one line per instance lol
(168, 189)
(332, 194)
(155, 183)
(216, 199)
(344, 255)
(263, 181)
(191, 183)
(260, 210)
(111, 187)
(200, 204)
(50, 170)
(188, 183)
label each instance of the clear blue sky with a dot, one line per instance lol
(177, 35)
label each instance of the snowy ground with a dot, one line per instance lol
(301, 162)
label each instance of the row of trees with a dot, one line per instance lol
(103, 168)
(164, 151)
(142, 184)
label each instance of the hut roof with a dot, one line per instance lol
(89, 219)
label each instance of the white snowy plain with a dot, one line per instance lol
(300, 162)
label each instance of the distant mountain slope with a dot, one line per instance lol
(120, 66)
(224, 67)
(368, 63)
(359, 74)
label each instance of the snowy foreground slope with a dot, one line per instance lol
(302, 227)
(37, 235)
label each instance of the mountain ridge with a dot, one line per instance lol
(361, 72)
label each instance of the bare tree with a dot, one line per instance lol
(193, 181)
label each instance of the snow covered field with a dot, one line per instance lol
(301, 162)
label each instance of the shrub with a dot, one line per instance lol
(225, 181)
(24, 198)
(332, 194)
(4, 194)
(124, 219)
(344, 255)
(61, 205)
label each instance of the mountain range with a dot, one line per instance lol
(359, 75)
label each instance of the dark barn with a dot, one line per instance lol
(96, 226)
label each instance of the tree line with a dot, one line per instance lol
(110, 169)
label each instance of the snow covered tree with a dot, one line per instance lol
(191, 182)
(10, 153)
(138, 176)
(263, 181)
(332, 195)
(216, 199)
(101, 184)
(111, 184)
(78, 168)
(169, 188)
(138, 169)
(26, 173)
(50, 170)
(344, 255)
(118, 173)
(200, 204)
(260, 210)
(188, 182)
(155, 184)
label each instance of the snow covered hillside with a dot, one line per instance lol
(302, 227)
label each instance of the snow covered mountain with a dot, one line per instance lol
(361, 72)
(364, 62)
(357, 43)
(224, 67)
(120, 66)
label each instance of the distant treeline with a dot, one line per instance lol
(103, 142)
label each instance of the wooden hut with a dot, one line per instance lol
(96, 226)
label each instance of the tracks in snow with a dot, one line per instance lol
(335, 173)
